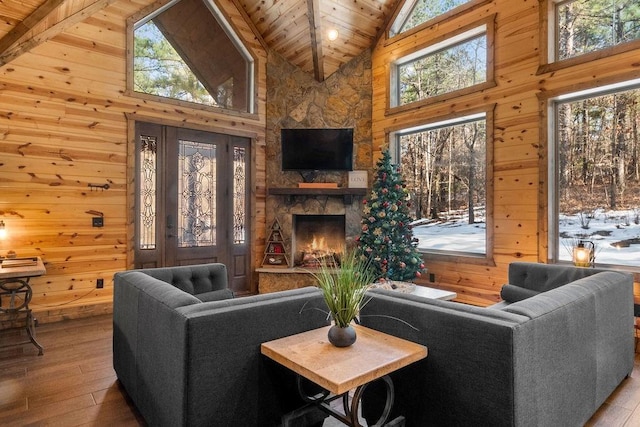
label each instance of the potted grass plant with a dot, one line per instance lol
(344, 284)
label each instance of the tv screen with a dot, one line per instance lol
(317, 149)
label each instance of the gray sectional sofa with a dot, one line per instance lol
(189, 355)
(549, 358)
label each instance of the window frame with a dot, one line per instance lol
(549, 243)
(223, 20)
(393, 135)
(548, 48)
(467, 32)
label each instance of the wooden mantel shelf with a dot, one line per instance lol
(346, 193)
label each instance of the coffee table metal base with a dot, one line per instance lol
(351, 407)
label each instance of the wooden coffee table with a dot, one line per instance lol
(413, 289)
(434, 293)
(341, 369)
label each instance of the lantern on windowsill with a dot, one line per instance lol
(584, 254)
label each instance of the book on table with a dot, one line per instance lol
(18, 262)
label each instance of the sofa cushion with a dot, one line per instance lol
(512, 293)
(215, 295)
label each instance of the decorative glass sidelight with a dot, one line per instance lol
(148, 191)
(239, 195)
(197, 164)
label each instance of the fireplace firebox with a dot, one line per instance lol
(317, 239)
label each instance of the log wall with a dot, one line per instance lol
(65, 122)
(519, 179)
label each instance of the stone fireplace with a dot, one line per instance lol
(297, 100)
(317, 239)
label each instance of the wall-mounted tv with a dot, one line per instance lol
(317, 149)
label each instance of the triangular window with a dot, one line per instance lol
(187, 51)
(416, 12)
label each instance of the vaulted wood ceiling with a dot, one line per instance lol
(296, 29)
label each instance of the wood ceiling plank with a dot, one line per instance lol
(18, 9)
(50, 19)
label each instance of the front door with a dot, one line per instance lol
(192, 204)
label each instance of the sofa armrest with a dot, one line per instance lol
(579, 342)
(142, 306)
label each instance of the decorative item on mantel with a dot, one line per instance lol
(344, 287)
(275, 253)
(358, 179)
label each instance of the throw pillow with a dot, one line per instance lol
(512, 293)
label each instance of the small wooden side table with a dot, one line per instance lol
(341, 369)
(14, 288)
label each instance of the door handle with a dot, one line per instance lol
(169, 226)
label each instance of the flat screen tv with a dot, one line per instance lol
(317, 149)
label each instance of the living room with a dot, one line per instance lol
(69, 148)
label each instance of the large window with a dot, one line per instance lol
(460, 64)
(595, 192)
(187, 51)
(445, 167)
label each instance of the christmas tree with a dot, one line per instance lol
(386, 238)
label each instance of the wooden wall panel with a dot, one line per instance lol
(517, 177)
(64, 123)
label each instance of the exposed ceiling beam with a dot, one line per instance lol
(250, 23)
(47, 21)
(313, 11)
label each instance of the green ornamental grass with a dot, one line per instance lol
(344, 287)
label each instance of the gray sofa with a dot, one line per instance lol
(189, 355)
(548, 358)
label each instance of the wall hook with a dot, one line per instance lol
(96, 186)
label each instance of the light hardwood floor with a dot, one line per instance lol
(73, 383)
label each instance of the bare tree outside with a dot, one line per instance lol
(415, 12)
(456, 67)
(444, 169)
(598, 180)
(589, 25)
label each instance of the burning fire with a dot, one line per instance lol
(318, 252)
